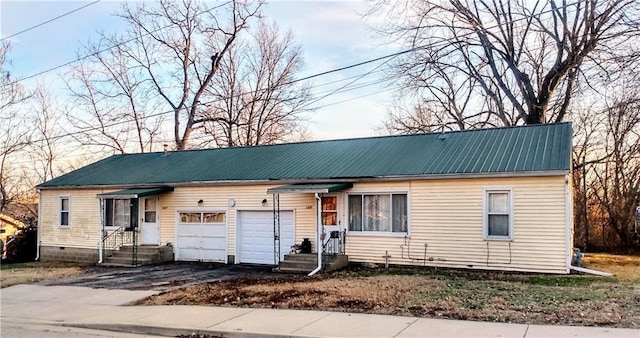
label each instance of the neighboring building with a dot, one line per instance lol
(9, 226)
(494, 199)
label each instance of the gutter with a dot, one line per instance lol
(318, 237)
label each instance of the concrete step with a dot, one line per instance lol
(142, 248)
(121, 261)
(305, 263)
(301, 257)
(282, 269)
(145, 255)
(298, 265)
(129, 255)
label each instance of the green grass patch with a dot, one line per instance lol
(565, 281)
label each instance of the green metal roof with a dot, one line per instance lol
(321, 188)
(135, 193)
(534, 148)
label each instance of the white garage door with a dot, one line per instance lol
(201, 236)
(255, 236)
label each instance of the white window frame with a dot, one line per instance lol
(68, 211)
(104, 212)
(377, 192)
(485, 214)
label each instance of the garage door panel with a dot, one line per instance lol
(201, 241)
(210, 230)
(189, 229)
(214, 243)
(255, 236)
(188, 242)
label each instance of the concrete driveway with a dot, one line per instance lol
(162, 277)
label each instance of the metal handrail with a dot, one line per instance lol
(336, 243)
(115, 239)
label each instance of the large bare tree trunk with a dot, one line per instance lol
(519, 60)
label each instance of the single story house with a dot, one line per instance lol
(496, 199)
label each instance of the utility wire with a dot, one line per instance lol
(212, 101)
(84, 56)
(50, 20)
(392, 55)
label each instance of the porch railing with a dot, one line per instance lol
(336, 243)
(114, 239)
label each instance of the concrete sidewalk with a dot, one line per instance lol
(101, 309)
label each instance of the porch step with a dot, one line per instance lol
(302, 257)
(145, 255)
(125, 261)
(305, 263)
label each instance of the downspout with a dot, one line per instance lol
(318, 237)
(101, 231)
(567, 199)
(39, 225)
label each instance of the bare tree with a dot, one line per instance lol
(180, 45)
(44, 152)
(617, 177)
(15, 131)
(517, 60)
(112, 101)
(161, 66)
(255, 99)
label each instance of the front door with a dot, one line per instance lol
(330, 219)
(150, 225)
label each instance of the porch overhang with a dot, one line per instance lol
(135, 193)
(310, 188)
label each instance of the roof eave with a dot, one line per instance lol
(544, 173)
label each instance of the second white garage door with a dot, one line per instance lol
(255, 236)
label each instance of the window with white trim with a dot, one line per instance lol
(381, 213)
(64, 211)
(498, 214)
(117, 213)
(203, 217)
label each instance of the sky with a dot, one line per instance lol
(333, 34)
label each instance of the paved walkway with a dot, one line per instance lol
(101, 309)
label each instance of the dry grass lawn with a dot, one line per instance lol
(24, 273)
(474, 295)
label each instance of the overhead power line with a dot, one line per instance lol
(392, 55)
(50, 20)
(56, 137)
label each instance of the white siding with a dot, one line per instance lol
(246, 198)
(84, 218)
(446, 216)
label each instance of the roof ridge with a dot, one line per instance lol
(358, 138)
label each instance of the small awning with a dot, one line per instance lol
(321, 188)
(135, 193)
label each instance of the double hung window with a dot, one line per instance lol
(64, 211)
(498, 215)
(380, 213)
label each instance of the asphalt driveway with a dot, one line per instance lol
(162, 277)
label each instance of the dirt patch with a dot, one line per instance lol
(467, 295)
(13, 274)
